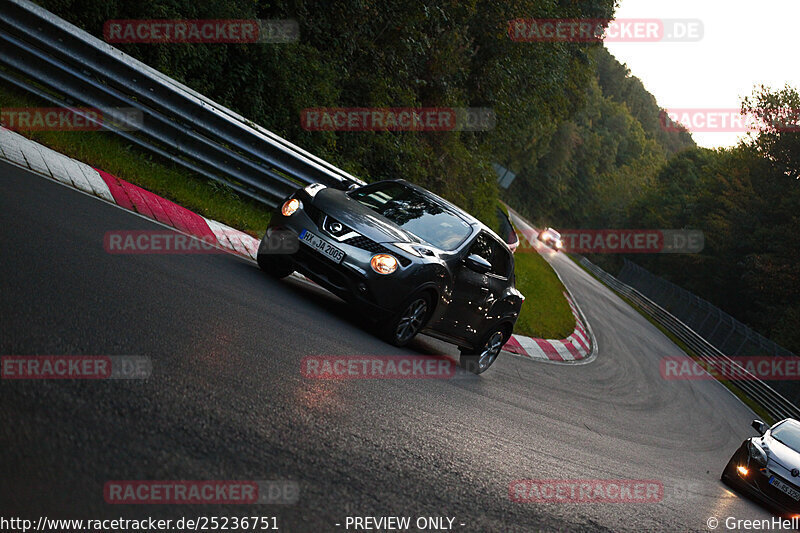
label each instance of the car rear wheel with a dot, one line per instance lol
(404, 326)
(478, 360)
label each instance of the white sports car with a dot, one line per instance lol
(768, 467)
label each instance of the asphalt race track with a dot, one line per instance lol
(227, 401)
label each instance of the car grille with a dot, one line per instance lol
(364, 243)
(359, 241)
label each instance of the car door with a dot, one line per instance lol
(474, 293)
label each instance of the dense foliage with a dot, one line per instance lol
(600, 159)
(747, 202)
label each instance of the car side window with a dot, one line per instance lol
(494, 252)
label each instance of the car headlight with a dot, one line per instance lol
(558, 244)
(757, 453)
(383, 263)
(290, 206)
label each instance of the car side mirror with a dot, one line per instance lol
(478, 264)
(760, 426)
(353, 186)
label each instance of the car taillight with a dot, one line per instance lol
(290, 206)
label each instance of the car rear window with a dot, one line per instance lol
(416, 213)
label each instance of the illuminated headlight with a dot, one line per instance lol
(558, 244)
(757, 453)
(383, 263)
(290, 206)
(742, 470)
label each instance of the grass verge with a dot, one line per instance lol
(545, 313)
(104, 150)
(752, 404)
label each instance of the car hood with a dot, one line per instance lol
(360, 218)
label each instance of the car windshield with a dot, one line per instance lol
(554, 233)
(788, 434)
(416, 213)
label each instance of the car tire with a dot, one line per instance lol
(478, 360)
(275, 265)
(406, 323)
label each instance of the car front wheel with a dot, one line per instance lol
(478, 360)
(404, 326)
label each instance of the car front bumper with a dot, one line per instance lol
(353, 279)
(757, 484)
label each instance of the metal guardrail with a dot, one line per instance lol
(773, 402)
(49, 57)
(729, 335)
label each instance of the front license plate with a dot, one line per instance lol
(321, 246)
(783, 487)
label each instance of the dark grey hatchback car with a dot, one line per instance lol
(404, 257)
